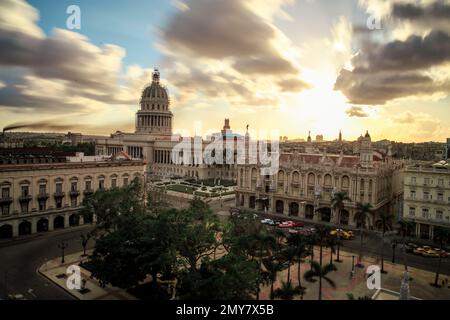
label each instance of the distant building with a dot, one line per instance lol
(40, 196)
(75, 138)
(427, 197)
(319, 138)
(447, 149)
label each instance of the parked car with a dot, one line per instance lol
(268, 222)
(343, 234)
(290, 224)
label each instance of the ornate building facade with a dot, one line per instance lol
(40, 197)
(153, 140)
(305, 184)
(427, 197)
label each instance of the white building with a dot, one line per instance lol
(153, 140)
(427, 197)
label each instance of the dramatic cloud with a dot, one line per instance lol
(230, 49)
(435, 10)
(67, 70)
(356, 111)
(387, 71)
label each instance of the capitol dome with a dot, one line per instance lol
(154, 117)
(155, 90)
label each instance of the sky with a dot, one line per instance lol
(284, 66)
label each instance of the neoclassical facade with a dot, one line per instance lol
(427, 197)
(47, 196)
(153, 139)
(305, 183)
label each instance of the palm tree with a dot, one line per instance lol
(441, 236)
(362, 214)
(337, 203)
(385, 224)
(273, 267)
(289, 254)
(287, 291)
(299, 242)
(405, 228)
(321, 272)
(265, 243)
(331, 243)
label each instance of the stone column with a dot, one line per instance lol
(50, 223)
(33, 226)
(81, 220)
(15, 228)
(66, 220)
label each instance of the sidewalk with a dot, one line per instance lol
(53, 271)
(419, 285)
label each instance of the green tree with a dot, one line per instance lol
(384, 223)
(229, 278)
(289, 253)
(288, 291)
(85, 237)
(321, 272)
(441, 236)
(338, 204)
(363, 210)
(273, 266)
(265, 244)
(300, 244)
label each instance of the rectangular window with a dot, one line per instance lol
(42, 189)
(88, 185)
(5, 210)
(426, 195)
(25, 191)
(425, 213)
(440, 196)
(24, 207)
(58, 203)
(439, 215)
(412, 211)
(114, 183)
(125, 181)
(42, 205)
(413, 180)
(74, 186)
(412, 194)
(5, 193)
(59, 188)
(101, 184)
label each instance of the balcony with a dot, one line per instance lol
(74, 193)
(5, 200)
(43, 196)
(25, 198)
(59, 194)
(88, 192)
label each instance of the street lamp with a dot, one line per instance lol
(62, 245)
(394, 244)
(352, 273)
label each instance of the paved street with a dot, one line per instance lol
(19, 263)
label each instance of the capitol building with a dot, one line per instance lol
(154, 141)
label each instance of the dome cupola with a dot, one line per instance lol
(154, 117)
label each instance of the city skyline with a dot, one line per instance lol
(256, 60)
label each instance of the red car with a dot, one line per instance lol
(290, 224)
